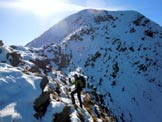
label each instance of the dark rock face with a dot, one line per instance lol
(1, 43)
(44, 82)
(14, 58)
(40, 104)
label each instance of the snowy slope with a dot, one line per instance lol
(64, 28)
(59, 31)
(20, 86)
(17, 93)
(120, 52)
(85, 18)
(121, 55)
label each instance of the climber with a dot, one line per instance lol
(79, 83)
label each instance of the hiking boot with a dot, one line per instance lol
(36, 115)
(73, 103)
(81, 106)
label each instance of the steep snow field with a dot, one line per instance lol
(20, 86)
(17, 93)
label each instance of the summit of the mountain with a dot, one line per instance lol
(88, 18)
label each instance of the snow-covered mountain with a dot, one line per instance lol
(21, 73)
(113, 22)
(118, 51)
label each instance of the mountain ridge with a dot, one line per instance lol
(82, 18)
(114, 51)
(20, 85)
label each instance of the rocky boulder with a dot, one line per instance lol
(1, 43)
(14, 58)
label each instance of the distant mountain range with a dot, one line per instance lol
(118, 51)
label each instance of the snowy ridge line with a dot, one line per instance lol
(20, 96)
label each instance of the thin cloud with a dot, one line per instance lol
(41, 7)
(6, 4)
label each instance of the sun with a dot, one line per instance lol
(43, 7)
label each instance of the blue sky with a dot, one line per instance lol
(23, 20)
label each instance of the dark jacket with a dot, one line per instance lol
(78, 83)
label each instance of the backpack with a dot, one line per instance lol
(83, 81)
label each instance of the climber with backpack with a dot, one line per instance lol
(79, 83)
